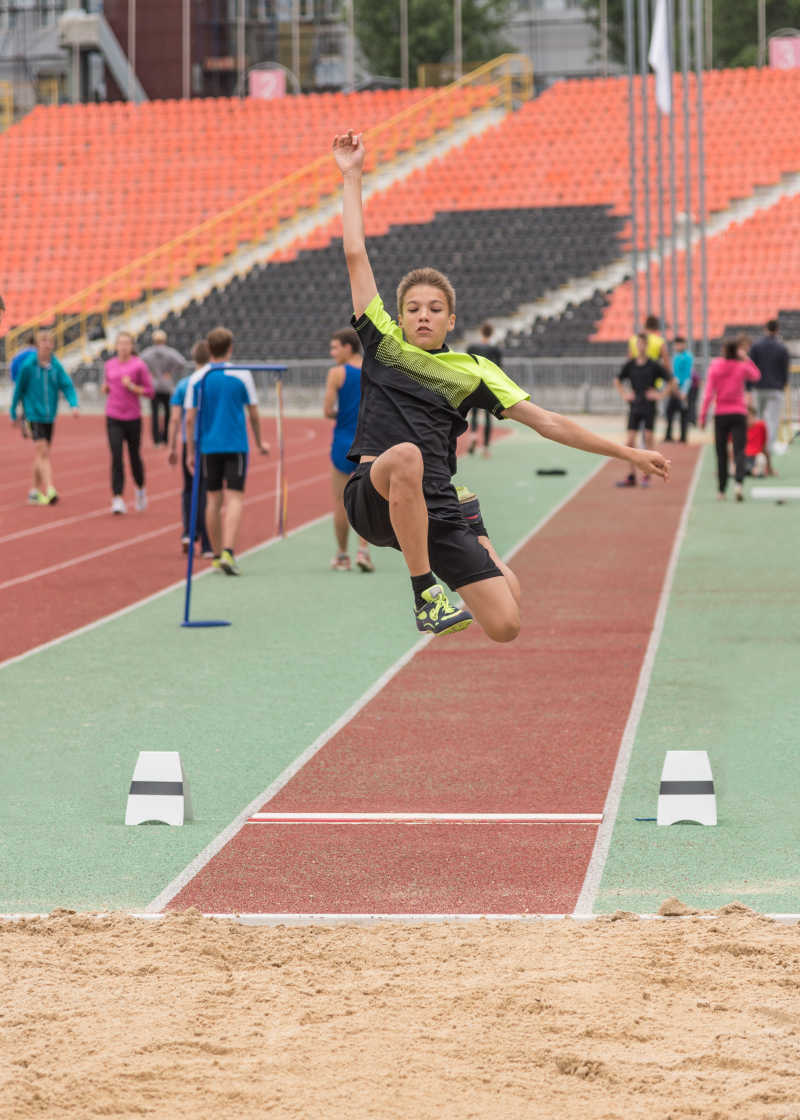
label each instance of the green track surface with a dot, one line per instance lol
(240, 704)
(725, 681)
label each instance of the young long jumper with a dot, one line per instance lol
(415, 395)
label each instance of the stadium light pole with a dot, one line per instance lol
(458, 50)
(186, 31)
(404, 43)
(673, 235)
(643, 44)
(241, 61)
(296, 39)
(762, 32)
(687, 172)
(350, 49)
(630, 57)
(604, 37)
(701, 180)
(131, 50)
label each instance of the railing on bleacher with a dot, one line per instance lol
(506, 81)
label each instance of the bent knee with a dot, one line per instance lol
(504, 629)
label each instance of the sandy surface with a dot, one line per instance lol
(197, 1017)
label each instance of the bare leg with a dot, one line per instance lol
(341, 527)
(510, 576)
(231, 518)
(214, 519)
(493, 606)
(397, 476)
(45, 469)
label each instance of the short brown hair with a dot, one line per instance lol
(219, 341)
(200, 352)
(348, 337)
(652, 322)
(430, 276)
(487, 330)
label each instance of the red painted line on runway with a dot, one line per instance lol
(468, 726)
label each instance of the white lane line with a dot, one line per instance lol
(254, 471)
(361, 919)
(594, 872)
(150, 598)
(170, 528)
(219, 842)
(420, 818)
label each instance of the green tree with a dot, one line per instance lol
(430, 32)
(734, 27)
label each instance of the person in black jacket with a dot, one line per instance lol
(772, 359)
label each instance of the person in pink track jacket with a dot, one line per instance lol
(127, 379)
(729, 378)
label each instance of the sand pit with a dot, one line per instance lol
(197, 1017)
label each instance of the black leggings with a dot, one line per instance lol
(732, 424)
(121, 432)
(159, 405)
(487, 425)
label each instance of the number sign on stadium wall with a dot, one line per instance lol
(267, 83)
(784, 53)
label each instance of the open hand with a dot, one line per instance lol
(652, 462)
(348, 151)
(172, 458)
(264, 448)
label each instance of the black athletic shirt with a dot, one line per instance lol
(409, 395)
(650, 375)
(487, 350)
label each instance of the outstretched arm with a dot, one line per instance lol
(552, 425)
(348, 151)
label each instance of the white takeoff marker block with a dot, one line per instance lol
(776, 493)
(686, 792)
(159, 790)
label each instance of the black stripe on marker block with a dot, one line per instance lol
(686, 787)
(165, 789)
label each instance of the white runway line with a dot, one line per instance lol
(594, 873)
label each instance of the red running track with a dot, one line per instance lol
(70, 564)
(468, 726)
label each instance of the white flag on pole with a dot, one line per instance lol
(658, 57)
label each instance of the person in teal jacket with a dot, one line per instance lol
(40, 380)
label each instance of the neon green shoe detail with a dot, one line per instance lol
(228, 563)
(437, 616)
(42, 499)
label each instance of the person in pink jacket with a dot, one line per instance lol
(127, 379)
(726, 385)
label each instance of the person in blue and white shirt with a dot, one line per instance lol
(222, 438)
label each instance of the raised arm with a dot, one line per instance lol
(552, 425)
(348, 151)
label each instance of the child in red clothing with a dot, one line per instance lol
(756, 453)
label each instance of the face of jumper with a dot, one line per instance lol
(425, 317)
(124, 347)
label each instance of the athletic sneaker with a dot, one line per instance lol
(216, 564)
(33, 497)
(738, 493)
(228, 563)
(42, 499)
(118, 504)
(140, 499)
(364, 560)
(629, 481)
(646, 480)
(185, 544)
(437, 616)
(52, 496)
(341, 562)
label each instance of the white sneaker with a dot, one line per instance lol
(118, 504)
(141, 499)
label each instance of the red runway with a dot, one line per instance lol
(534, 726)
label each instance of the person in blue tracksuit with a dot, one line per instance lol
(342, 400)
(40, 380)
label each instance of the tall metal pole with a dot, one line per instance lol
(762, 32)
(458, 45)
(131, 50)
(643, 45)
(404, 43)
(687, 171)
(186, 52)
(630, 57)
(296, 40)
(662, 301)
(673, 229)
(604, 37)
(701, 177)
(350, 49)
(241, 60)
(709, 33)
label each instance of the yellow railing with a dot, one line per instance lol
(505, 81)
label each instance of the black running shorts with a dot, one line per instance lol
(642, 414)
(457, 556)
(40, 430)
(229, 467)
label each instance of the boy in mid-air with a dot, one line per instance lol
(415, 395)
